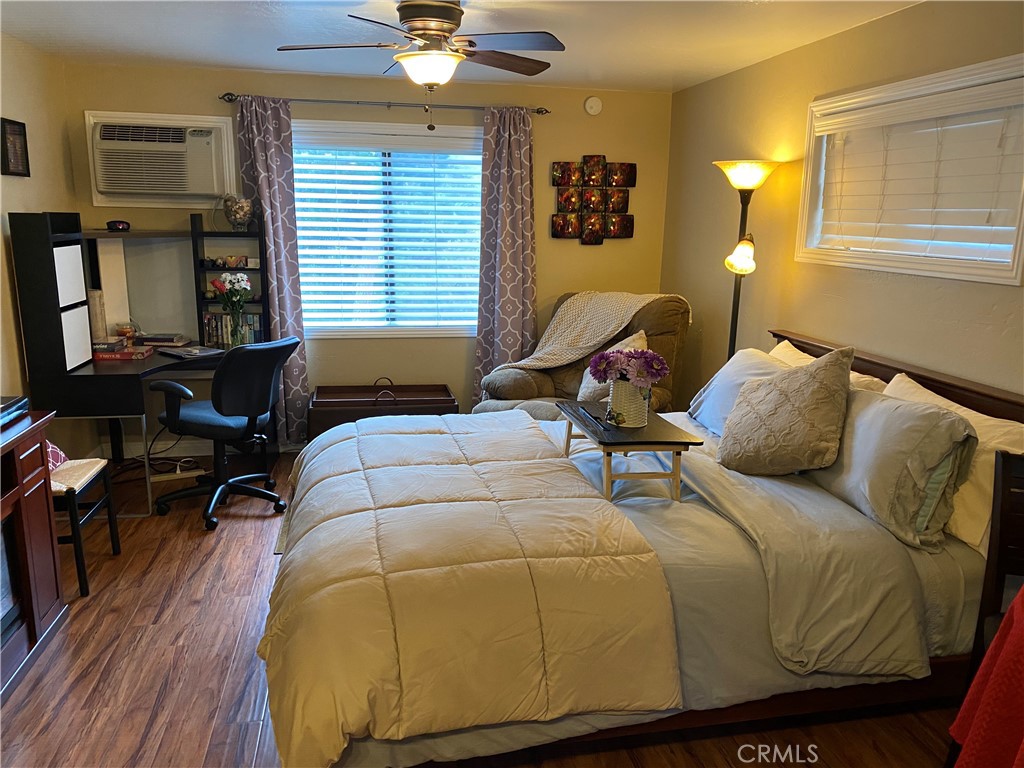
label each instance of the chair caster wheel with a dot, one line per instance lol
(280, 507)
(270, 485)
(162, 509)
(211, 524)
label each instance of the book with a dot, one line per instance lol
(109, 344)
(187, 353)
(158, 339)
(128, 353)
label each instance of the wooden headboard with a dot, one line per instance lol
(979, 397)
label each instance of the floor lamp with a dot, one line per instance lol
(745, 176)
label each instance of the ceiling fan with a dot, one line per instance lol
(429, 27)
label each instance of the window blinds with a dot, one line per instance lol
(388, 228)
(923, 176)
(946, 187)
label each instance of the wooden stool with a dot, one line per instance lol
(68, 481)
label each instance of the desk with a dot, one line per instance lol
(113, 390)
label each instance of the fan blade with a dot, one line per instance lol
(515, 41)
(396, 30)
(507, 61)
(390, 46)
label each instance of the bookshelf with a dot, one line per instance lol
(211, 254)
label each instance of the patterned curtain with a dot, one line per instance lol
(507, 319)
(265, 154)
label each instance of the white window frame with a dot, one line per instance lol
(327, 133)
(959, 91)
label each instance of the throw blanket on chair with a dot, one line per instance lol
(582, 324)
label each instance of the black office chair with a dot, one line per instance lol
(238, 412)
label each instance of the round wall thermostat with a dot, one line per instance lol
(593, 105)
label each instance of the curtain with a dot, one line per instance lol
(507, 318)
(265, 156)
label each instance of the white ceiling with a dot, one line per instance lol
(617, 44)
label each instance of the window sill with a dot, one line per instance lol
(922, 266)
(390, 333)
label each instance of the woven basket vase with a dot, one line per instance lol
(628, 405)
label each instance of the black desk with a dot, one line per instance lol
(114, 390)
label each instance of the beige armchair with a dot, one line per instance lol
(665, 322)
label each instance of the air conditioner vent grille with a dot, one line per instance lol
(142, 172)
(149, 133)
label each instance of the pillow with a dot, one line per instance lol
(787, 353)
(899, 463)
(589, 388)
(791, 421)
(54, 456)
(972, 504)
(711, 406)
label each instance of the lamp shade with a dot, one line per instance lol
(743, 174)
(741, 260)
(429, 68)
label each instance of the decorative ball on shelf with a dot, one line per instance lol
(238, 212)
(209, 295)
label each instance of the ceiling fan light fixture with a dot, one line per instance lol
(430, 68)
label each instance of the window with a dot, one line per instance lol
(388, 224)
(923, 177)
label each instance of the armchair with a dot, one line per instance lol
(665, 322)
(239, 410)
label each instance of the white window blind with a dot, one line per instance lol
(388, 227)
(925, 177)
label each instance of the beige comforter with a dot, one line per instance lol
(447, 572)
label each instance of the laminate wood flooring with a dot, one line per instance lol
(158, 667)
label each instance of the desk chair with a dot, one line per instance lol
(238, 412)
(69, 481)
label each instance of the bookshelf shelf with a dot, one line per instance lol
(211, 319)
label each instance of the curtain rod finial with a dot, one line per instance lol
(229, 97)
(543, 111)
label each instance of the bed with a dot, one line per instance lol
(454, 586)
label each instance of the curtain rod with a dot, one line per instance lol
(231, 98)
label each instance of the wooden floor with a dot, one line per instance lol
(158, 667)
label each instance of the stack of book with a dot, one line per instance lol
(163, 339)
(217, 329)
(117, 348)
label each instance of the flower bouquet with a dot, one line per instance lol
(635, 370)
(234, 291)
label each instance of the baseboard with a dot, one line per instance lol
(187, 446)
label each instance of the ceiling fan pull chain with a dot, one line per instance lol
(429, 109)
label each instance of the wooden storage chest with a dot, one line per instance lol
(333, 405)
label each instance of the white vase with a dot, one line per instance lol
(628, 405)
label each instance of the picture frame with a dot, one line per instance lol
(14, 158)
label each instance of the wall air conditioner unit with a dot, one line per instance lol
(160, 161)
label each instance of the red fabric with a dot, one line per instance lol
(54, 456)
(990, 725)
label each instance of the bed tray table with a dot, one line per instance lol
(658, 435)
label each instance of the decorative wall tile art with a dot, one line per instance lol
(592, 200)
(565, 226)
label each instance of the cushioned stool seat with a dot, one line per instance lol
(70, 480)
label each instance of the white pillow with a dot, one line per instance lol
(787, 353)
(972, 504)
(589, 388)
(712, 405)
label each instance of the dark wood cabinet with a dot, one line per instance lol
(212, 255)
(31, 559)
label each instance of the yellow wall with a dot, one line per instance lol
(633, 127)
(974, 330)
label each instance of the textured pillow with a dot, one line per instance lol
(791, 421)
(787, 353)
(899, 463)
(711, 406)
(590, 389)
(972, 504)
